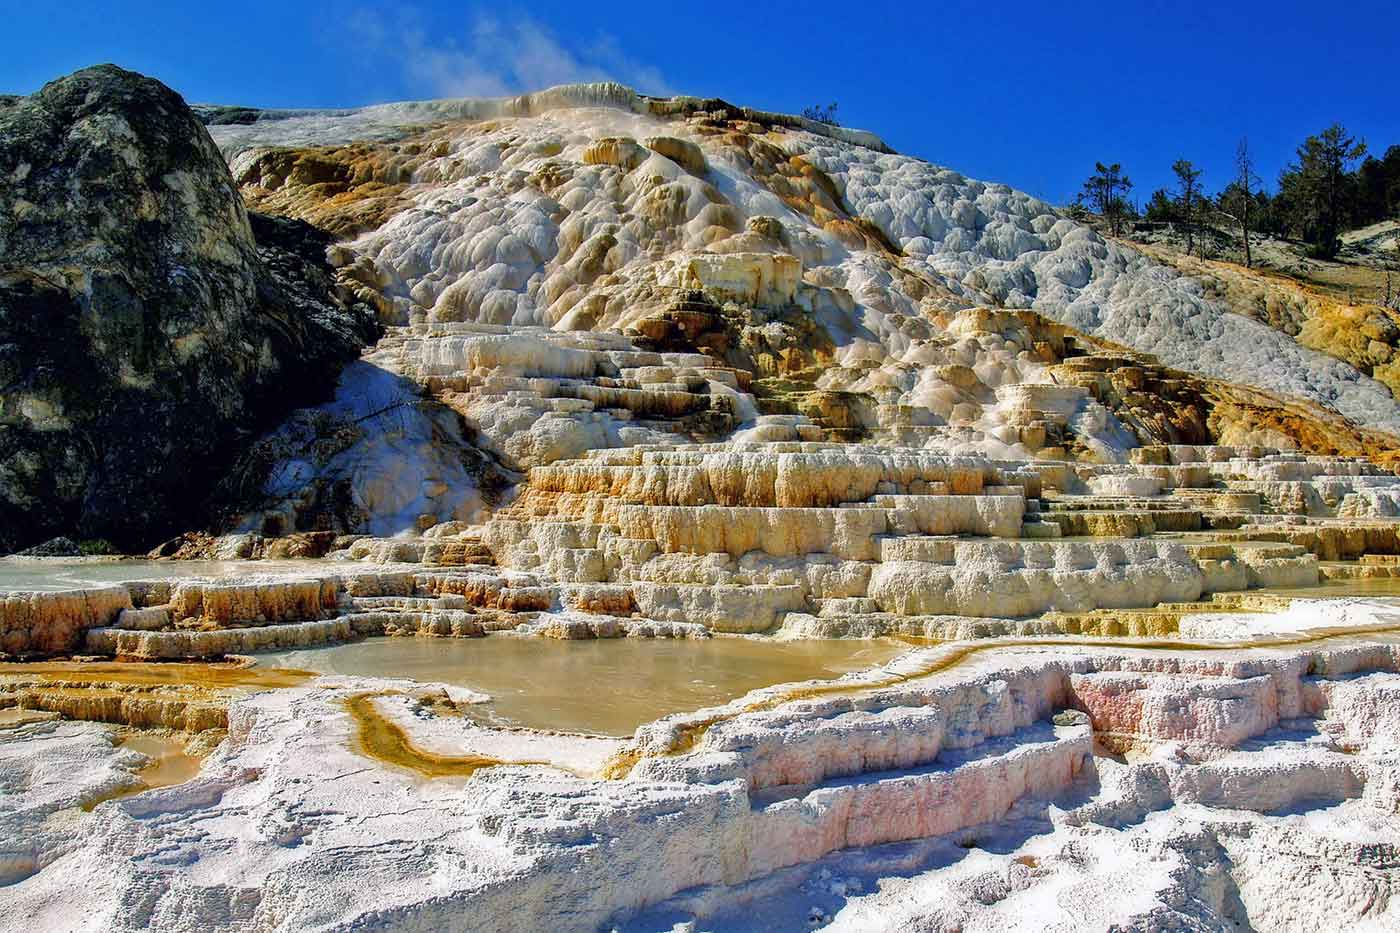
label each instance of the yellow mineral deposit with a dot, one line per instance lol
(387, 742)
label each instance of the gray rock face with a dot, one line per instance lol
(146, 332)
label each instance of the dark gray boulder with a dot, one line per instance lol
(146, 333)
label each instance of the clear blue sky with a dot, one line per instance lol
(1029, 92)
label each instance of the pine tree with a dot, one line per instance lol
(1188, 187)
(1319, 187)
(1106, 194)
(1160, 207)
(822, 114)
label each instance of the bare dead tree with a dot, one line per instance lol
(1244, 168)
(1236, 203)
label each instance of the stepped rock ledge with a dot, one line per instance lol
(531, 379)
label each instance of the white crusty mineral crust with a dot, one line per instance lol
(583, 210)
(1006, 246)
(526, 271)
(1278, 762)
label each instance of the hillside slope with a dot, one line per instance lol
(834, 276)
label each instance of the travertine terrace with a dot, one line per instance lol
(677, 369)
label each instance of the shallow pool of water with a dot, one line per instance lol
(68, 573)
(604, 687)
(168, 764)
(1375, 586)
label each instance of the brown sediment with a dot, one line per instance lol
(344, 190)
(387, 742)
(183, 697)
(14, 717)
(689, 736)
(189, 709)
(212, 676)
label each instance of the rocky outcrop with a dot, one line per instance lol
(147, 327)
(666, 324)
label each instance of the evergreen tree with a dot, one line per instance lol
(822, 114)
(1160, 208)
(1106, 194)
(1188, 196)
(1378, 188)
(1318, 188)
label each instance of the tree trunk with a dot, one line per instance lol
(1244, 224)
(1190, 227)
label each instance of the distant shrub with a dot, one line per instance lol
(822, 114)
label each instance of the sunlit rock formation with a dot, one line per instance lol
(1237, 788)
(679, 369)
(852, 293)
(147, 327)
(800, 538)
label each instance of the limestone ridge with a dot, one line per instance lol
(883, 239)
(147, 326)
(585, 268)
(248, 126)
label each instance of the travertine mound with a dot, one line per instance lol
(675, 369)
(585, 268)
(582, 205)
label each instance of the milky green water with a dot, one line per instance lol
(604, 687)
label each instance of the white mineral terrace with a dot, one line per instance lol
(738, 526)
(1155, 694)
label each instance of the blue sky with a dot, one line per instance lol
(1028, 93)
